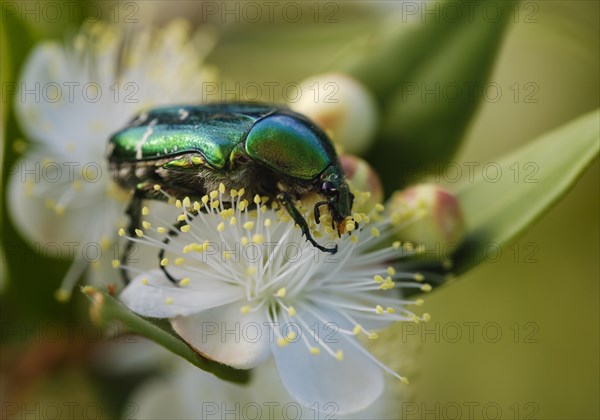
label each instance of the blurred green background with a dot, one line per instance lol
(541, 295)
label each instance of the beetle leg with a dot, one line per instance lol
(317, 212)
(134, 211)
(286, 201)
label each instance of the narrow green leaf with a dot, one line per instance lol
(106, 309)
(497, 212)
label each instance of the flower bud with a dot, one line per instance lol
(428, 215)
(341, 106)
(363, 181)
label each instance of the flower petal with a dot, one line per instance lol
(347, 385)
(225, 335)
(153, 295)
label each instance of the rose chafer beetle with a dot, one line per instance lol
(266, 149)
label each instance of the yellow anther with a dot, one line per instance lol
(233, 221)
(245, 310)
(256, 199)
(373, 336)
(178, 203)
(357, 329)
(251, 270)
(185, 228)
(187, 202)
(268, 222)
(145, 211)
(404, 380)
(396, 244)
(121, 232)
(409, 247)
(161, 229)
(379, 207)
(204, 199)
(233, 193)
(354, 239)
(156, 187)
(426, 317)
(179, 261)
(426, 287)
(59, 210)
(139, 233)
(375, 232)
(315, 350)
(378, 279)
(221, 227)
(243, 204)
(281, 292)
(249, 225)
(197, 206)
(419, 302)
(62, 295)
(241, 192)
(291, 336)
(169, 300)
(390, 310)
(146, 224)
(214, 194)
(258, 238)
(357, 217)
(391, 271)
(291, 311)
(339, 355)
(184, 281)
(419, 277)
(181, 218)
(214, 204)
(164, 262)
(116, 263)
(222, 188)
(379, 309)
(244, 240)
(282, 342)
(145, 281)
(387, 284)
(263, 209)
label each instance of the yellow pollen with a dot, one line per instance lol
(185, 228)
(357, 329)
(373, 336)
(419, 277)
(156, 187)
(256, 199)
(115, 264)
(164, 262)
(184, 281)
(375, 232)
(396, 244)
(204, 199)
(215, 204)
(291, 336)
(426, 317)
(146, 224)
(179, 260)
(291, 311)
(214, 194)
(404, 380)
(387, 284)
(233, 193)
(249, 225)
(243, 204)
(161, 229)
(282, 342)
(178, 203)
(181, 218)
(379, 207)
(391, 271)
(222, 188)
(241, 192)
(221, 227)
(379, 309)
(258, 238)
(315, 350)
(378, 279)
(121, 232)
(281, 292)
(245, 310)
(145, 211)
(390, 310)
(145, 281)
(197, 206)
(233, 221)
(139, 233)
(339, 355)
(169, 300)
(426, 287)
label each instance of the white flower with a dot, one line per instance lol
(246, 285)
(71, 98)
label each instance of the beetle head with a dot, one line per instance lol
(339, 198)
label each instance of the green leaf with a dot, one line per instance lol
(106, 309)
(427, 76)
(497, 212)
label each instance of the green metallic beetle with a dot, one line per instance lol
(266, 149)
